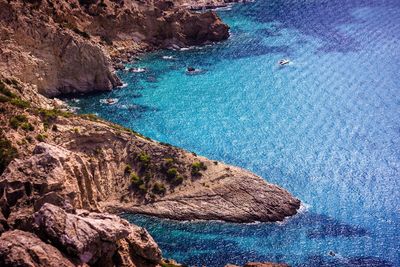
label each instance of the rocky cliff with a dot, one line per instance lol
(61, 172)
(64, 47)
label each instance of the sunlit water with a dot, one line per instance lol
(326, 127)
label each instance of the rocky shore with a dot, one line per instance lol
(61, 172)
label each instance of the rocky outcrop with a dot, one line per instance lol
(93, 237)
(64, 47)
(19, 248)
(82, 238)
(94, 165)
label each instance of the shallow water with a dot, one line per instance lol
(326, 127)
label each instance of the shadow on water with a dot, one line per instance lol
(314, 18)
(216, 243)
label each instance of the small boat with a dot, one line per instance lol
(109, 101)
(283, 62)
(168, 57)
(137, 70)
(192, 71)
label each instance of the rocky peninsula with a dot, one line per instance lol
(61, 172)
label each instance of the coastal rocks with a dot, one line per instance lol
(19, 248)
(52, 58)
(102, 167)
(83, 239)
(225, 193)
(65, 47)
(94, 237)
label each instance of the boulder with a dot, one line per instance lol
(93, 237)
(19, 248)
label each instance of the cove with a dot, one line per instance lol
(326, 127)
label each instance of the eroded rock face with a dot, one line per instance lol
(19, 248)
(93, 237)
(88, 170)
(64, 47)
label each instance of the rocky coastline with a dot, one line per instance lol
(61, 172)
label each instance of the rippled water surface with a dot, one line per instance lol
(326, 127)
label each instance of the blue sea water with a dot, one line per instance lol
(326, 127)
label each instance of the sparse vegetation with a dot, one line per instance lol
(136, 180)
(144, 159)
(19, 103)
(17, 120)
(159, 188)
(41, 137)
(197, 167)
(127, 169)
(54, 128)
(7, 153)
(178, 180)
(172, 173)
(5, 91)
(26, 126)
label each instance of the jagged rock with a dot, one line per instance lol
(93, 237)
(63, 47)
(69, 176)
(19, 248)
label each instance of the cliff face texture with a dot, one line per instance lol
(61, 172)
(65, 46)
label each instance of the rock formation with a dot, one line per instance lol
(64, 47)
(76, 239)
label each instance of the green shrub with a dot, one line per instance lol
(143, 188)
(197, 167)
(178, 180)
(41, 137)
(5, 91)
(136, 180)
(17, 120)
(144, 158)
(159, 188)
(7, 153)
(27, 126)
(127, 169)
(172, 172)
(20, 103)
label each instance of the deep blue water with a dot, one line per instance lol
(326, 127)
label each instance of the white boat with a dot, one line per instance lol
(137, 70)
(283, 62)
(168, 57)
(109, 101)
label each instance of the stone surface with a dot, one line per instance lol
(93, 237)
(19, 248)
(64, 47)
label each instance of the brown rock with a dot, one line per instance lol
(93, 237)
(19, 248)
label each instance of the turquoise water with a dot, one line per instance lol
(326, 127)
